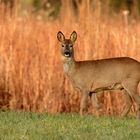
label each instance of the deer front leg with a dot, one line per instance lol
(83, 103)
(95, 102)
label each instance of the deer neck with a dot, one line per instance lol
(68, 64)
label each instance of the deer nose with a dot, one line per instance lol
(67, 51)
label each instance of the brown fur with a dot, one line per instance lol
(94, 76)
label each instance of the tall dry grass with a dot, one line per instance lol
(32, 78)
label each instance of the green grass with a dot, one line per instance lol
(44, 126)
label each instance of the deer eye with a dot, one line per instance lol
(63, 46)
(70, 46)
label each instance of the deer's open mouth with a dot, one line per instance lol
(67, 54)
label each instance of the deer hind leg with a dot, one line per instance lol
(131, 88)
(128, 103)
(95, 102)
(83, 103)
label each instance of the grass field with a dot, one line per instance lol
(43, 126)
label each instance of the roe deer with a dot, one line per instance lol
(94, 76)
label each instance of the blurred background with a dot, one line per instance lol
(31, 71)
(53, 8)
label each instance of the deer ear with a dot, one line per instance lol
(60, 36)
(73, 36)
